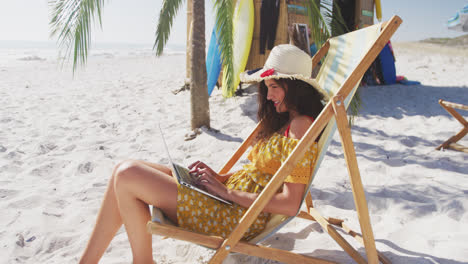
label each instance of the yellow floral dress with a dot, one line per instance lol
(202, 214)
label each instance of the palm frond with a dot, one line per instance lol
(224, 27)
(319, 31)
(166, 18)
(326, 18)
(338, 24)
(71, 21)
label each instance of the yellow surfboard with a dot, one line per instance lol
(243, 27)
(378, 10)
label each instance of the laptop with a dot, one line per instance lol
(184, 177)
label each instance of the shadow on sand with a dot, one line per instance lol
(250, 106)
(286, 241)
(398, 101)
(221, 136)
(408, 154)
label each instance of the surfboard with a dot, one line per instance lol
(243, 26)
(378, 10)
(213, 62)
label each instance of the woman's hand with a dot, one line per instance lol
(208, 179)
(194, 168)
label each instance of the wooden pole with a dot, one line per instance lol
(308, 200)
(364, 13)
(357, 14)
(355, 178)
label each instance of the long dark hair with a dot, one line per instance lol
(299, 96)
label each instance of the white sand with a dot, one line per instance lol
(61, 136)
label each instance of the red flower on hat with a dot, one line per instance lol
(267, 73)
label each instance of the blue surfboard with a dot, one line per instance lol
(213, 62)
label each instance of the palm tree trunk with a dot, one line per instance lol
(188, 41)
(200, 110)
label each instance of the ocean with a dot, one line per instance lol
(11, 51)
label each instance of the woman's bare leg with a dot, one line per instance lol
(136, 186)
(107, 224)
(109, 219)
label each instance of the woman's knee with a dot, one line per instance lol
(124, 172)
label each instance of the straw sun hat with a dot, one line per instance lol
(286, 61)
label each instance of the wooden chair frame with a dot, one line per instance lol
(451, 143)
(334, 108)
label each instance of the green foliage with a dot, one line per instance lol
(224, 14)
(166, 18)
(224, 26)
(71, 21)
(326, 18)
(319, 28)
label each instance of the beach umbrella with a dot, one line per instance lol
(459, 22)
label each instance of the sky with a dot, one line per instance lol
(135, 21)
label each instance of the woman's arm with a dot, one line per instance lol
(286, 202)
(299, 126)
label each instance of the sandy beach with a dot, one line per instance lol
(61, 135)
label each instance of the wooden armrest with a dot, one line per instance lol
(454, 105)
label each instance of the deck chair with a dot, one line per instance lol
(347, 58)
(451, 143)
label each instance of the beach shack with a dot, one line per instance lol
(357, 14)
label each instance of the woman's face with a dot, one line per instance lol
(276, 94)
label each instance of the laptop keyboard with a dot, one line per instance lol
(185, 174)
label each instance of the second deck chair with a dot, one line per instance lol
(347, 58)
(451, 143)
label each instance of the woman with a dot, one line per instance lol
(288, 105)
